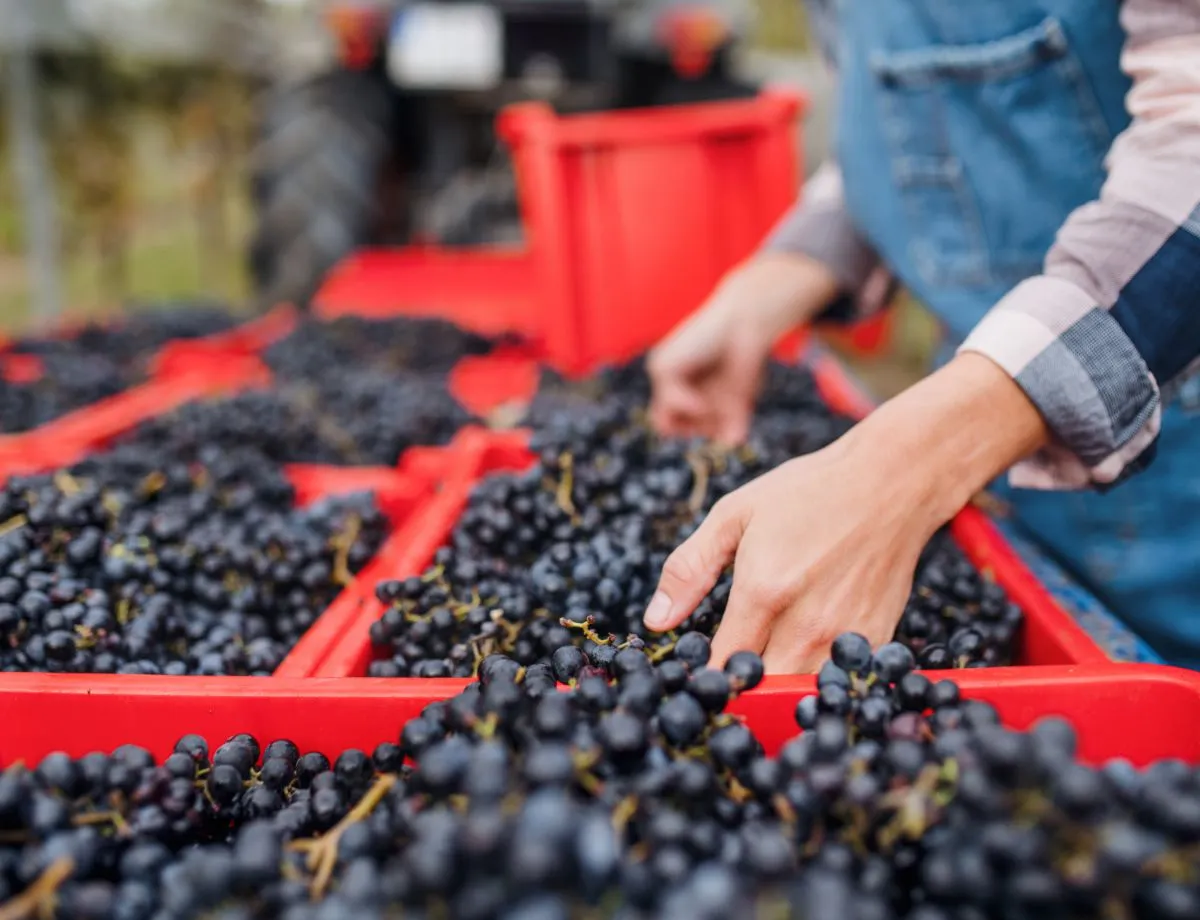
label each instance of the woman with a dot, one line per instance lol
(1030, 169)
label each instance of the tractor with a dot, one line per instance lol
(394, 143)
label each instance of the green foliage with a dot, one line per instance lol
(147, 159)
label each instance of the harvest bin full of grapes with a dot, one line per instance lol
(340, 614)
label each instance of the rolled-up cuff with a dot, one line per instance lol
(1079, 368)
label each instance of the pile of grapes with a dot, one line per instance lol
(138, 561)
(98, 361)
(583, 535)
(349, 392)
(627, 793)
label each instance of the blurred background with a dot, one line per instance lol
(140, 147)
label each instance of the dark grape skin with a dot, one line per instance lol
(652, 799)
(99, 360)
(172, 566)
(580, 555)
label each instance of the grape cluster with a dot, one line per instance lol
(584, 534)
(136, 562)
(98, 361)
(611, 786)
(346, 392)
(395, 344)
(347, 417)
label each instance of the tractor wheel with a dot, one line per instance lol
(325, 146)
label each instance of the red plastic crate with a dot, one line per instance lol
(247, 338)
(490, 290)
(482, 384)
(1130, 711)
(251, 338)
(634, 216)
(1050, 636)
(399, 496)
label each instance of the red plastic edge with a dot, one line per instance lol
(1060, 638)
(64, 440)
(1131, 711)
(490, 290)
(536, 122)
(399, 497)
(185, 355)
(485, 383)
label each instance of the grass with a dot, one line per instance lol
(781, 26)
(163, 259)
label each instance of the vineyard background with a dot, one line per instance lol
(147, 118)
(145, 111)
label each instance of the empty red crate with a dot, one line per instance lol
(1130, 711)
(632, 217)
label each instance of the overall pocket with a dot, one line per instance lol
(992, 146)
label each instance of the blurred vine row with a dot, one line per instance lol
(147, 158)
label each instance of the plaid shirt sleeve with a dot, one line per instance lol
(1112, 326)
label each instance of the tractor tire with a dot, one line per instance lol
(325, 146)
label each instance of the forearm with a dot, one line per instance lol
(785, 290)
(820, 228)
(942, 440)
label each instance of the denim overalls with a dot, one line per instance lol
(967, 132)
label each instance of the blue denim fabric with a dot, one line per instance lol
(967, 132)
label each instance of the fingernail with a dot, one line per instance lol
(659, 612)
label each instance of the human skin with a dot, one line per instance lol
(825, 543)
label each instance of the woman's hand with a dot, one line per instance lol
(828, 543)
(706, 374)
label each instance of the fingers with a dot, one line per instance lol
(749, 614)
(735, 401)
(677, 409)
(733, 425)
(800, 638)
(790, 651)
(691, 571)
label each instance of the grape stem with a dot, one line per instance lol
(562, 495)
(322, 851)
(38, 899)
(13, 524)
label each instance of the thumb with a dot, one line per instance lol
(691, 571)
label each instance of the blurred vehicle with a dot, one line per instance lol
(394, 142)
